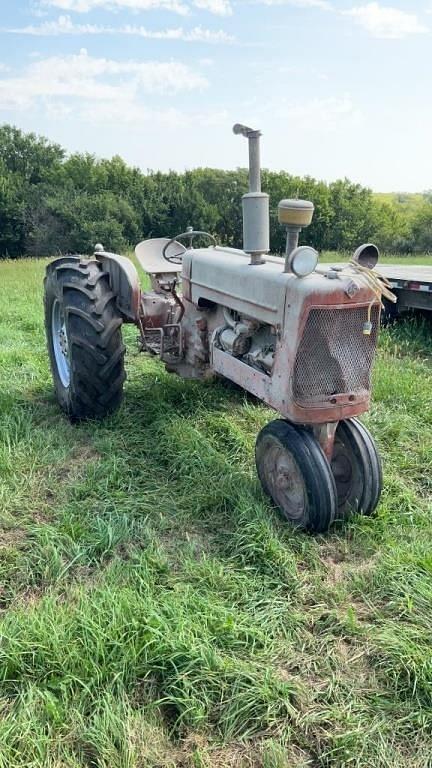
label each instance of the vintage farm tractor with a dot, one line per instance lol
(302, 338)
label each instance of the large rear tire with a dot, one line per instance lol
(83, 329)
(295, 473)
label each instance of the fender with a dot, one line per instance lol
(124, 282)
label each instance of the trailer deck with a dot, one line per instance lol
(411, 284)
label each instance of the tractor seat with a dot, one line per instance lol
(149, 255)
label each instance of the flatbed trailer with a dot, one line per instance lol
(411, 284)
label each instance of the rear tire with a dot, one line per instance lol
(295, 473)
(83, 329)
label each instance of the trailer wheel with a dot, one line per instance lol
(83, 329)
(295, 473)
(356, 466)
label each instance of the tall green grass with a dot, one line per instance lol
(420, 259)
(156, 611)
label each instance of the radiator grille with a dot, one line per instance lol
(334, 356)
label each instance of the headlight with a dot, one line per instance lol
(303, 260)
(367, 255)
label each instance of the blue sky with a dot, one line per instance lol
(338, 87)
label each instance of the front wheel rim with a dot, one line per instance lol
(60, 343)
(346, 474)
(285, 482)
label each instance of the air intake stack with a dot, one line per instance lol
(256, 226)
(294, 215)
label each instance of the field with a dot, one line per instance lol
(155, 610)
(328, 257)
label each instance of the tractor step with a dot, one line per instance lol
(164, 342)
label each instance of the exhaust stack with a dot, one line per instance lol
(256, 223)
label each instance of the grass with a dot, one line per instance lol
(155, 610)
(421, 259)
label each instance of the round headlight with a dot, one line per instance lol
(303, 260)
(367, 255)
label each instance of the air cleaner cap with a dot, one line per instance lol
(296, 213)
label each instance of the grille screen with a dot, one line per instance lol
(334, 356)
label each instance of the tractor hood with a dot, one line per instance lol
(264, 292)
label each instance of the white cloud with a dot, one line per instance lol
(65, 26)
(58, 110)
(95, 81)
(218, 7)
(62, 26)
(386, 22)
(327, 114)
(84, 6)
(195, 35)
(323, 5)
(138, 114)
(316, 116)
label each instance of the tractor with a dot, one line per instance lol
(299, 336)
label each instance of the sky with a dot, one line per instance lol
(339, 88)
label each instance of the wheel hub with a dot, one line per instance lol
(60, 343)
(285, 481)
(343, 468)
(64, 346)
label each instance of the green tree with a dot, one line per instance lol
(50, 203)
(422, 229)
(352, 217)
(32, 158)
(12, 216)
(392, 230)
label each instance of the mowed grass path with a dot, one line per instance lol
(156, 611)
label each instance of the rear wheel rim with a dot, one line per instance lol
(60, 343)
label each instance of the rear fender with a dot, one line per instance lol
(124, 282)
(123, 278)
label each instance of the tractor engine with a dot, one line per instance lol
(304, 346)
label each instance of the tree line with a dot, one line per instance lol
(51, 203)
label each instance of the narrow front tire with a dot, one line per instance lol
(357, 469)
(295, 473)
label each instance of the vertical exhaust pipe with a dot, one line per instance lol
(256, 222)
(254, 161)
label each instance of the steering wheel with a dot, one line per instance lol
(191, 234)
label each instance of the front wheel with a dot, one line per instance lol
(83, 329)
(357, 470)
(295, 473)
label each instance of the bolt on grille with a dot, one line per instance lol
(334, 357)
